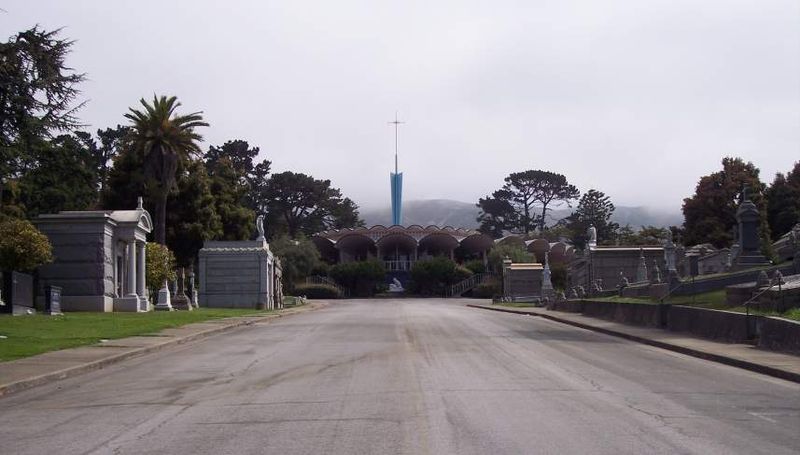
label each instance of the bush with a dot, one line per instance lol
(159, 265)
(318, 291)
(299, 259)
(361, 278)
(558, 276)
(476, 266)
(431, 276)
(515, 253)
(22, 246)
(487, 289)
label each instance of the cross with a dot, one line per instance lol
(396, 123)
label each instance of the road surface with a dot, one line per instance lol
(407, 376)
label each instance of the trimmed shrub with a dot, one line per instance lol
(476, 266)
(431, 276)
(22, 246)
(159, 265)
(361, 278)
(318, 291)
(558, 276)
(515, 253)
(487, 289)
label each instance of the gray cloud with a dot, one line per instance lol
(635, 98)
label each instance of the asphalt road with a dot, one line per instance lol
(407, 376)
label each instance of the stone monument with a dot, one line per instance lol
(164, 302)
(239, 274)
(180, 301)
(641, 269)
(547, 284)
(748, 219)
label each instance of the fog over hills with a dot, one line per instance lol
(445, 212)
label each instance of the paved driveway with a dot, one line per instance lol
(407, 376)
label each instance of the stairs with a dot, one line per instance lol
(458, 289)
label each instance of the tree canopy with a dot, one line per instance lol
(163, 138)
(783, 202)
(594, 208)
(710, 214)
(38, 97)
(297, 203)
(522, 203)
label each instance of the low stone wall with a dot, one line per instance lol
(642, 314)
(712, 324)
(567, 306)
(779, 334)
(772, 333)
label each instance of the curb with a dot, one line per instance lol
(25, 384)
(730, 361)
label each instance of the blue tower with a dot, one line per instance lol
(396, 182)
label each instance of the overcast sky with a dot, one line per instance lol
(636, 98)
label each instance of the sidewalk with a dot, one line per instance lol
(784, 366)
(22, 374)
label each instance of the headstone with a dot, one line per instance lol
(669, 255)
(656, 273)
(164, 301)
(623, 281)
(179, 299)
(547, 284)
(749, 218)
(581, 291)
(777, 278)
(52, 300)
(193, 290)
(763, 279)
(573, 294)
(641, 269)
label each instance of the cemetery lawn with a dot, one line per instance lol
(30, 335)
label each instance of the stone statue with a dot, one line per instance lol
(641, 269)
(656, 273)
(260, 228)
(396, 285)
(592, 234)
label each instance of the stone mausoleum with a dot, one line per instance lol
(99, 259)
(240, 274)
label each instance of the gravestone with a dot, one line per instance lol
(748, 219)
(52, 301)
(180, 301)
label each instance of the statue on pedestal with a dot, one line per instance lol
(260, 228)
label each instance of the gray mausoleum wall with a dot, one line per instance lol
(83, 254)
(236, 274)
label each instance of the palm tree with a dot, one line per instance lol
(164, 138)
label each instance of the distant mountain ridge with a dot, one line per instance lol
(445, 212)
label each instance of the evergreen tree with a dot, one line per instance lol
(594, 208)
(525, 193)
(783, 202)
(36, 100)
(710, 214)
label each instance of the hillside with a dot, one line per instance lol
(444, 212)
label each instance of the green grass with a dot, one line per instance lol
(31, 335)
(714, 300)
(618, 299)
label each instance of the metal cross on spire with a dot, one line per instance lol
(396, 123)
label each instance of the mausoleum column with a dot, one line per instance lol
(132, 269)
(141, 269)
